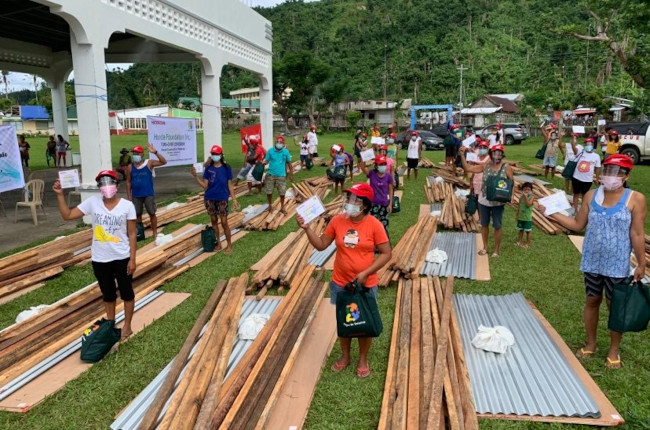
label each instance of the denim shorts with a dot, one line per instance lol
(550, 161)
(494, 212)
(335, 289)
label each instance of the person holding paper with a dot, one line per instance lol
(525, 214)
(217, 183)
(313, 142)
(490, 209)
(279, 161)
(583, 176)
(114, 244)
(613, 144)
(139, 184)
(451, 144)
(360, 145)
(250, 157)
(569, 155)
(413, 154)
(338, 165)
(390, 163)
(482, 158)
(382, 183)
(304, 151)
(614, 218)
(356, 236)
(551, 154)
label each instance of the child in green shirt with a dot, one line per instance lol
(525, 213)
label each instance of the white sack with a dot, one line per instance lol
(34, 310)
(494, 339)
(436, 256)
(162, 239)
(252, 326)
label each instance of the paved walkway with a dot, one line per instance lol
(169, 182)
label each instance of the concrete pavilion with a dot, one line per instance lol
(52, 38)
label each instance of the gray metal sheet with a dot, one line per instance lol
(532, 377)
(131, 416)
(319, 258)
(461, 256)
(436, 207)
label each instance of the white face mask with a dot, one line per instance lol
(216, 158)
(279, 146)
(589, 148)
(381, 169)
(352, 210)
(414, 138)
(482, 151)
(137, 158)
(612, 183)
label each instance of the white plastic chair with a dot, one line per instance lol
(33, 199)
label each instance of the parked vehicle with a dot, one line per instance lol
(430, 140)
(514, 133)
(635, 139)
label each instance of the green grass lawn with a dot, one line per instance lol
(547, 274)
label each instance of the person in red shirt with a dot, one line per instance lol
(357, 235)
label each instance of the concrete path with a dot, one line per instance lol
(169, 182)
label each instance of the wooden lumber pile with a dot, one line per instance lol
(427, 382)
(437, 191)
(273, 219)
(543, 223)
(518, 169)
(304, 191)
(453, 215)
(451, 176)
(408, 256)
(426, 163)
(192, 207)
(334, 207)
(27, 343)
(284, 270)
(318, 181)
(197, 394)
(27, 268)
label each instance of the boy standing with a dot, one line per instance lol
(525, 214)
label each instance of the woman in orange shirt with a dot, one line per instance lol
(357, 235)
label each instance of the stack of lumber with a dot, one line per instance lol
(282, 269)
(318, 181)
(192, 207)
(426, 163)
(453, 215)
(427, 382)
(334, 207)
(543, 223)
(247, 397)
(28, 343)
(437, 191)
(451, 176)
(27, 269)
(195, 398)
(305, 191)
(518, 169)
(408, 256)
(271, 220)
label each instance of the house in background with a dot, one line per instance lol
(492, 108)
(240, 106)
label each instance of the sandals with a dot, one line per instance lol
(339, 366)
(614, 364)
(363, 373)
(482, 252)
(585, 353)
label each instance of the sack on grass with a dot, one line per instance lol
(630, 307)
(98, 339)
(493, 339)
(396, 205)
(357, 314)
(258, 171)
(139, 231)
(309, 163)
(208, 239)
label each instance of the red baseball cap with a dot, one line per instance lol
(361, 190)
(380, 159)
(255, 140)
(280, 139)
(614, 132)
(621, 160)
(216, 150)
(498, 148)
(137, 149)
(414, 133)
(103, 173)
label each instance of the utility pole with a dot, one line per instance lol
(385, 71)
(460, 91)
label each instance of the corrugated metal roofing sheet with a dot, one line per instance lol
(28, 112)
(532, 377)
(130, 417)
(461, 256)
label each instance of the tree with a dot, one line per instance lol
(352, 117)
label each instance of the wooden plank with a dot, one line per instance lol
(425, 210)
(278, 249)
(577, 241)
(15, 295)
(298, 391)
(428, 340)
(70, 368)
(482, 262)
(413, 407)
(398, 420)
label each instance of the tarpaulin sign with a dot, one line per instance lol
(247, 132)
(11, 168)
(175, 138)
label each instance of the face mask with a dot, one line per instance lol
(391, 140)
(108, 191)
(352, 210)
(496, 158)
(381, 169)
(589, 148)
(137, 158)
(279, 146)
(414, 138)
(216, 158)
(612, 183)
(482, 151)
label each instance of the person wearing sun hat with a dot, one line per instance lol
(614, 218)
(113, 247)
(357, 235)
(125, 160)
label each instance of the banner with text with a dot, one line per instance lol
(175, 138)
(11, 168)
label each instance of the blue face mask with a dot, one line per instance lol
(279, 146)
(216, 158)
(589, 148)
(482, 151)
(137, 158)
(381, 169)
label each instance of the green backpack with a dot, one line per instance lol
(139, 231)
(208, 239)
(396, 205)
(498, 188)
(357, 314)
(98, 339)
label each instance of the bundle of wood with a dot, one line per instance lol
(273, 219)
(305, 191)
(24, 271)
(283, 268)
(408, 255)
(426, 163)
(518, 169)
(28, 343)
(451, 176)
(334, 207)
(544, 223)
(427, 382)
(197, 394)
(437, 191)
(192, 207)
(453, 215)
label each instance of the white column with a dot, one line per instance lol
(211, 100)
(266, 109)
(59, 108)
(92, 110)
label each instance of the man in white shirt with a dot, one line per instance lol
(313, 141)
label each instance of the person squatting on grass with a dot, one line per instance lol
(382, 183)
(614, 218)
(279, 161)
(356, 235)
(217, 183)
(114, 243)
(525, 214)
(489, 209)
(139, 184)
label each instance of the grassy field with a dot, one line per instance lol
(547, 274)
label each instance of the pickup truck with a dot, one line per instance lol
(635, 139)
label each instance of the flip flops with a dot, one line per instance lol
(614, 364)
(585, 353)
(363, 373)
(339, 366)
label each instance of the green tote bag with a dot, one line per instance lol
(357, 314)
(630, 307)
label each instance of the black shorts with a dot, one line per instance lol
(412, 163)
(108, 273)
(451, 151)
(595, 284)
(580, 187)
(148, 203)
